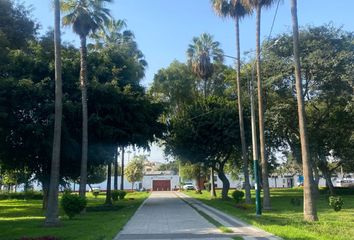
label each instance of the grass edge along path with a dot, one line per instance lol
(286, 220)
(20, 218)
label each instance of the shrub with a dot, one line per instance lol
(73, 204)
(336, 202)
(95, 193)
(40, 238)
(115, 195)
(238, 195)
(29, 195)
(121, 194)
(338, 191)
(295, 201)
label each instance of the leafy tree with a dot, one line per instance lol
(326, 57)
(236, 10)
(134, 169)
(205, 132)
(85, 16)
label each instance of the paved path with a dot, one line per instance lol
(165, 216)
(169, 215)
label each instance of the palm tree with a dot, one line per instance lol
(202, 54)
(122, 172)
(52, 207)
(85, 16)
(310, 212)
(235, 10)
(257, 5)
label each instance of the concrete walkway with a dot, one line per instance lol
(169, 215)
(165, 216)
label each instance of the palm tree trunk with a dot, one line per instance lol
(122, 173)
(115, 180)
(83, 85)
(310, 212)
(240, 115)
(264, 162)
(108, 189)
(52, 207)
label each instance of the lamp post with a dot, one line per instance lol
(254, 145)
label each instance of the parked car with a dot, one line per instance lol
(188, 186)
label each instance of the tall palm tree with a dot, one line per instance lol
(52, 207)
(257, 5)
(202, 54)
(310, 212)
(236, 10)
(85, 16)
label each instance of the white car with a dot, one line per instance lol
(188, 186)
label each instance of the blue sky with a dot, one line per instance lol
(164, 28)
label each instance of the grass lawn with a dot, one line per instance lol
(20, 218)
(285, 220)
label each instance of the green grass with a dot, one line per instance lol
(20, 218)
(286, 220)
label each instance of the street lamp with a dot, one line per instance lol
(254, 146)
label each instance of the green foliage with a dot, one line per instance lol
(121, 194)
(338, 191)
(134, 169)
(95, 193)
(29, 195)
(118, 195)
(336, 202)
(115, 195)
(295, 201)
(73, 204)
(238, 195)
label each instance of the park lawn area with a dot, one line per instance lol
(19, 218)
(286, 220)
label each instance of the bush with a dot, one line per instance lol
(95, 193)
(29, 195)
(40, 238)
(338, 191)
(336, 203)
(295, 201)
(115, 195)
(121, 194)
(73, 204)
(238, 195)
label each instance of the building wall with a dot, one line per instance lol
(147, 180)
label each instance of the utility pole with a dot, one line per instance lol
(255, 149)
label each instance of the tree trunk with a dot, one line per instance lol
(45, 189)
(327, 176)
(122, 173)
(225, 184)
(83, 85)
(310, 212)
(108, 191)
(212, 186)
(115, 180)
(52, 207)
(264, 162)
(316, 180)
(240, 116)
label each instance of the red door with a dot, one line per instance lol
(161, 185)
